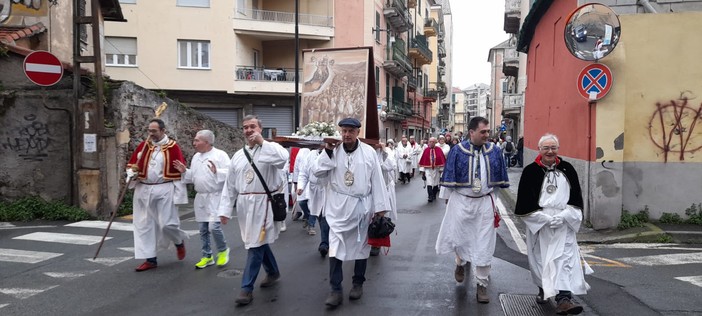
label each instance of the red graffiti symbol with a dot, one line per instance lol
(672, 125)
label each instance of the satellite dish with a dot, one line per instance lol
(592, 32)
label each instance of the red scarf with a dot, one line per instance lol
(432, 158)
(538, 161)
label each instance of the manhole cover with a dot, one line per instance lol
(229, 273)
(524, 305)
(408, 211)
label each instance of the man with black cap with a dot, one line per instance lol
(357, 192)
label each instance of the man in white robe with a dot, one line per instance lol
(404, 159)
(416, 152)
(253, 209)
(208, 170)
(312, 190)
(550, 203)
(157, 190)
(468, 229)
(356, 194)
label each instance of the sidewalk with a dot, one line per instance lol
(651, 233)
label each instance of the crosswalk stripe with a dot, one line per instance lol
(62, 238)
(668, 259)
(21, 293)
(3, 305)
(127, 249)
(6, 224)
(103, 225)
(24, 256)
(109, 261)
(648, 246)
(695, 280)
(69, 275)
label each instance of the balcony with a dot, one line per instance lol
(278, 81)
(420, 51)
(512, 102)
(275, 25)
(512, 13)
(399, 65)
(397, 16)
(431, 95)
(441, 87)
(431, 27)
(510, 62)
(399, 110)
(442, 51)
(411, 83)
(411, 4)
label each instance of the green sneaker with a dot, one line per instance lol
(223, 257)
(204, 262)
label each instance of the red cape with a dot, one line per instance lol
(171, 153)
(439, 159)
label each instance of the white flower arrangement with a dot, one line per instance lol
(318, 130)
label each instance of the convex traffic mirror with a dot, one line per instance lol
(592, 32)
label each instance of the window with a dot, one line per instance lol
(193, 3)
(128, 1)
(377, 81)
(194, 54)
(377, 26)
(120, 51)
(241, 6)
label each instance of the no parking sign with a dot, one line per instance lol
(595, 81)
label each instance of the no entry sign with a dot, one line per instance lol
(43, 68)
(595, 81)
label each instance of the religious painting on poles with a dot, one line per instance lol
(336, 85)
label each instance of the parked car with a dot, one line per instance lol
(580, 33)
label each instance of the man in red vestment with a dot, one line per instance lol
(157, 190)
(431, 165)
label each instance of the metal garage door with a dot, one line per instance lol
(279, 117)
(227, 116)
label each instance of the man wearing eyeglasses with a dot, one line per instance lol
(474, 168)
(550, 203)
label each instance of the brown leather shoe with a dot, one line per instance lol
(334, 299)
(180, 250)
(356, 292)
(482, 295)
(567, 306)
(244, 298)
(459, 274)
(270, 280)
(146, 266)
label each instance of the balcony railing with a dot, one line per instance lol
(411, 83)
(431, 27)
(419, 49)
(252, 73)
(512, 101)
(396, 15)
(431, 94)
(510, 62)
(399, 65)
(285, 17)
(399, 109)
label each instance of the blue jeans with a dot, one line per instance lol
(324, 227)
(256, 257)
(336, 274)
(311, 219)
(217, 234)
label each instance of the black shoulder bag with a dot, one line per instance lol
(280, 208)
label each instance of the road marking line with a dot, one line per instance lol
(695, 280)
(62, 238)
(69, 275)
(521, 244)
(3, 305)
(103, 225)
(26, 227)
(109, 261)
(127, 249)
(6, 224)
(647, 246)
(24, 293)
(603, 262)
(24, 256)
(664, 260)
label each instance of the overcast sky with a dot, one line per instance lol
(477, 27)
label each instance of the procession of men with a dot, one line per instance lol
(343, 185)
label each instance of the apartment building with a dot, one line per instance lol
(461, 115)
(231, 58)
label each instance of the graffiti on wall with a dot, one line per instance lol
(20, 8)
(673, 124)
(32, 140)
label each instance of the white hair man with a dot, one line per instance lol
(208, 170)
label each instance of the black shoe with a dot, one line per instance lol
(540, 297)
(356, 292)
(296, 216)
(375, 251)
(323, 251)
(334, 299)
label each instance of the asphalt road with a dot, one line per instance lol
(410, 280)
